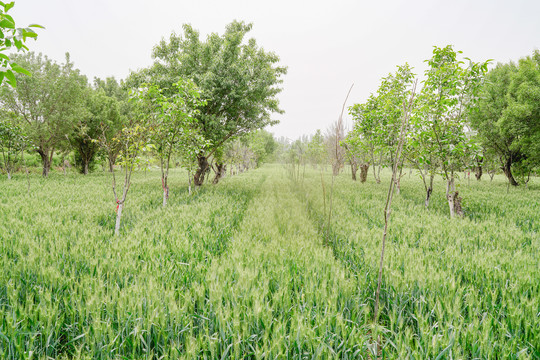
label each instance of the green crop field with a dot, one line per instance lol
(249, 269)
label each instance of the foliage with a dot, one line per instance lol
(238, 80)
(100, 109)
(112, 122)
(49, 103)
(316, 150)
(508, 120)
(12, 142)
(171, 124)
(12, 37)
(449, 95)
(377, 122)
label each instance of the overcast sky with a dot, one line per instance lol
(327, 45)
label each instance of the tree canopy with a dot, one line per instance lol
(238, 79)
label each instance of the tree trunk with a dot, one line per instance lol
(86, 167)
(364, 168)
(507, 168)
(478, 170)
(198, 178)
(221, 170)
(165, 187)
(118, 218)
(189, 182)
(335, 169)
(354, 169)
(45, 161)
(429, 190)
(398, 180)
(454, 201)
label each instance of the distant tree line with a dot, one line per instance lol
(197, 102)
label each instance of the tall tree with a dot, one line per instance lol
(238, 79)
(171, 122)
(132, 139)
(110, 127)
(49, 103)
(12, 142)
(508, 120)
(449, 95)
(366, 131)
(100, 109)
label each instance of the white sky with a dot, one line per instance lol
(327, 45)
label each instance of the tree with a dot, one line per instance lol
(335, 134)
(100, 109)
(110, 127)
(365, 130)
(263, 145)
(49, 103)
(131, 141)
(508, 119)
(378, 121)
(12, 142)
(12, 37)
(316, 150)
(449, 95)
(171, 121)
(357, 156)
(238, 80)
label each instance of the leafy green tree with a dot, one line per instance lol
(378, 121)
(316, 150)
(237, 78)
(12, 37)
(394, 91)
(12, 141)
(366, 132)
(132, 140)
(356, 155)
(263, 145)
(100, 109)
(110, 127)
(171, 122)
(508, 120)
(448, 97)
(49, 103)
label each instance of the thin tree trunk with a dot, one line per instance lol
(324, 192)
(25, 169)
(118, 218)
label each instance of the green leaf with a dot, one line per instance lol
(11, 78)
(8, 6)
(36, 26)
(6, 24)
(29, 33)
(20, 70)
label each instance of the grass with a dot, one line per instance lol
(247, 269)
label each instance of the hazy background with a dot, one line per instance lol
(327, 45)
